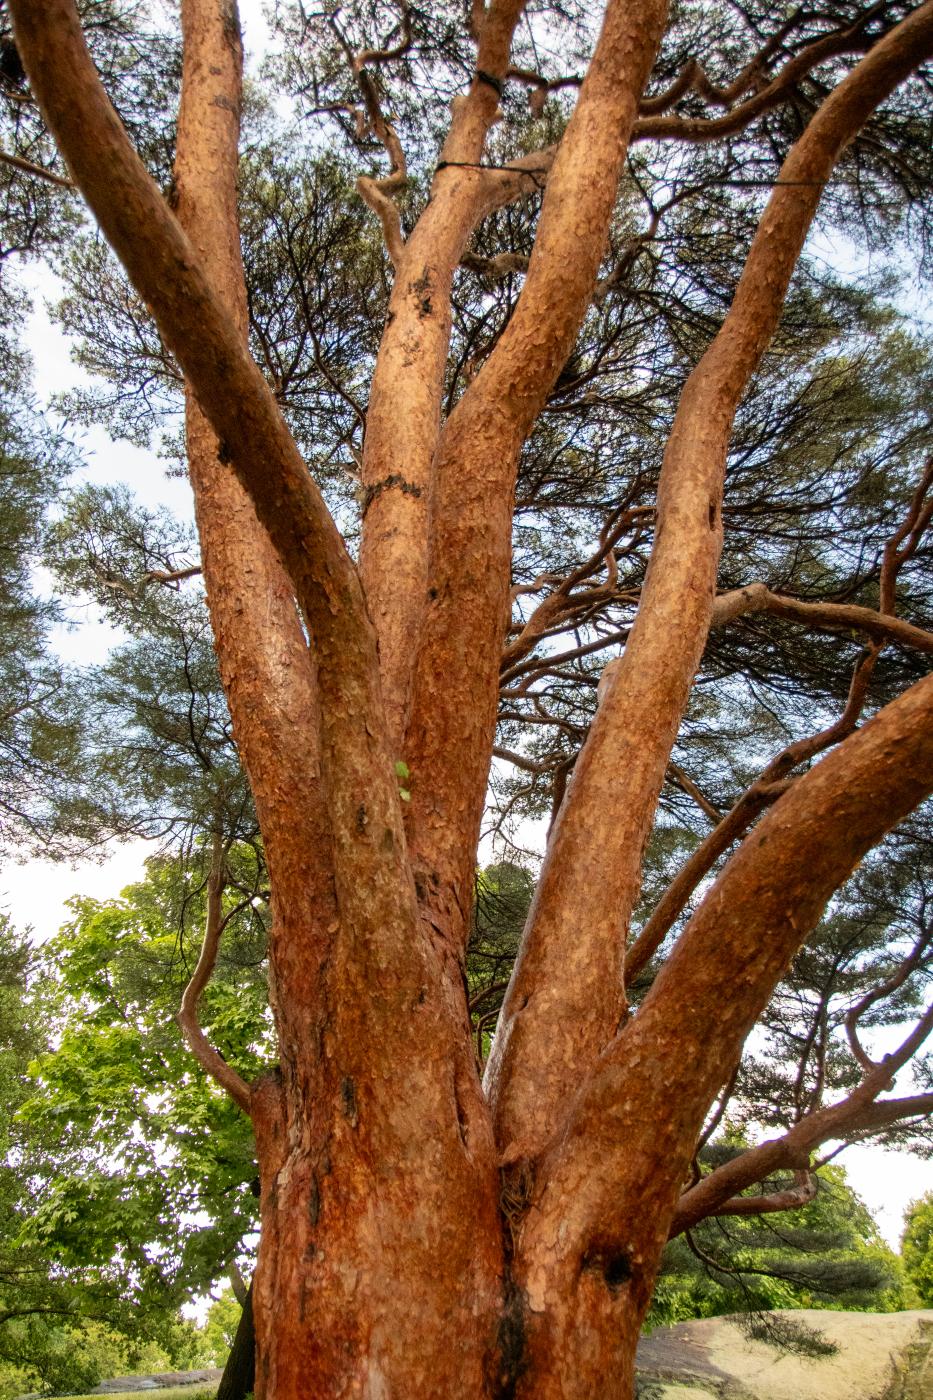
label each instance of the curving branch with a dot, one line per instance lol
(376, 191)
(172, 576)
(210, 1059)
(800, 1194)
(498, 185)
(851, 40)
(387, 52)
(832, 617)
(541, 87)
(563, 602)
(914, 960)
(693, 77)
(852, 1120)
(496, 268)
(534, 667)
(860, 1112)
(904, 542)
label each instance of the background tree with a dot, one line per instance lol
(145, 1166)
(38, 736)
(917, 1247)
(826, 1253)
(64, 1320)
(531, 1225)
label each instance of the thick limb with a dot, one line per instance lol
(566, 998)
(606, 1190)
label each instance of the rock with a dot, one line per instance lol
(159, 1381)
(881, 1356)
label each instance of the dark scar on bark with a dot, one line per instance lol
(614, 1265)
(395, 479)
(348, 1097)
(510, 1344)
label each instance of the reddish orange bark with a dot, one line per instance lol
(404, 1252)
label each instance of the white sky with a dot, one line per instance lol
(34, 892)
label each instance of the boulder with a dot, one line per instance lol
(209, 1375)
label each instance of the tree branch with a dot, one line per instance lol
(687, 785)
(455, 692)
(566, 1001)
(791, 1198)
(402, 418)
(211, 1060)
(757, 597)
(701, 129)
(243, 413)
(39, 171)
(693, 78)
(773, 780)
(601, 1168)
(268, 671)
(897, 979)
(859, 1113)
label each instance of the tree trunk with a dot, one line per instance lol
(239, 1377)
(379, 1270)
(419, 1239)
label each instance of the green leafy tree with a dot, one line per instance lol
(825, 1254)
(139, 1165)
(917, 1247)
(64, 1322)
(220, 1327)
